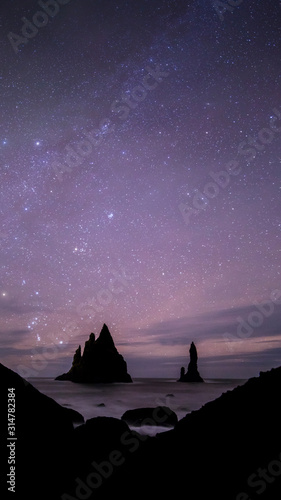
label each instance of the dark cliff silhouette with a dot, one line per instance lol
(99, 363)
(29, 438)
(229, 449)
(192, 374)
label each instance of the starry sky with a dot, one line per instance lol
(140, 147)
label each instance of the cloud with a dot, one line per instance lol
(12, 337)
(272, 353)
(244, 365)
(12, 305)
(213, 325)
(9, 340)
(162, 348)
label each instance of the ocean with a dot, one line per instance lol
(112, 400)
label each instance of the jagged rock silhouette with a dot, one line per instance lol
(192, 374)
(100, 362)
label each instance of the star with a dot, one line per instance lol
(129, 173)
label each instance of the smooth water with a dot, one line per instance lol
(112, 400)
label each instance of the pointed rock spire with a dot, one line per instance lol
(192, 374)
(100, 362)
(105, 337)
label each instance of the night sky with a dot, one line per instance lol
(141, 162)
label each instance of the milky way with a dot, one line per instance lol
(140, 165)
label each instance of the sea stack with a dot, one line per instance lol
(192, 374)
(99, 363)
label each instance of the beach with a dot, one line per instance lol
(112, 400)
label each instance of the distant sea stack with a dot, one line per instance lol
(99, 363)
(192, 374)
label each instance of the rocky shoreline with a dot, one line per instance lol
(230, 448)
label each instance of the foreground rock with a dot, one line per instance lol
(34, 409)
(192, 374)
(159, 416)
(229, 449)
(100, 362)
(43, 431)
(104, 454)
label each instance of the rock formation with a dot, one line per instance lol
(100, 362)
(159, 416)
(228, 449)
(192, 374)
(39, 432)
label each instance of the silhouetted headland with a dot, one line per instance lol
(99, 363)
(192, 374)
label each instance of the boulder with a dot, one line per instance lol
(104, 453)
(158, 416)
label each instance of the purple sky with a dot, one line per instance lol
(137, 228)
